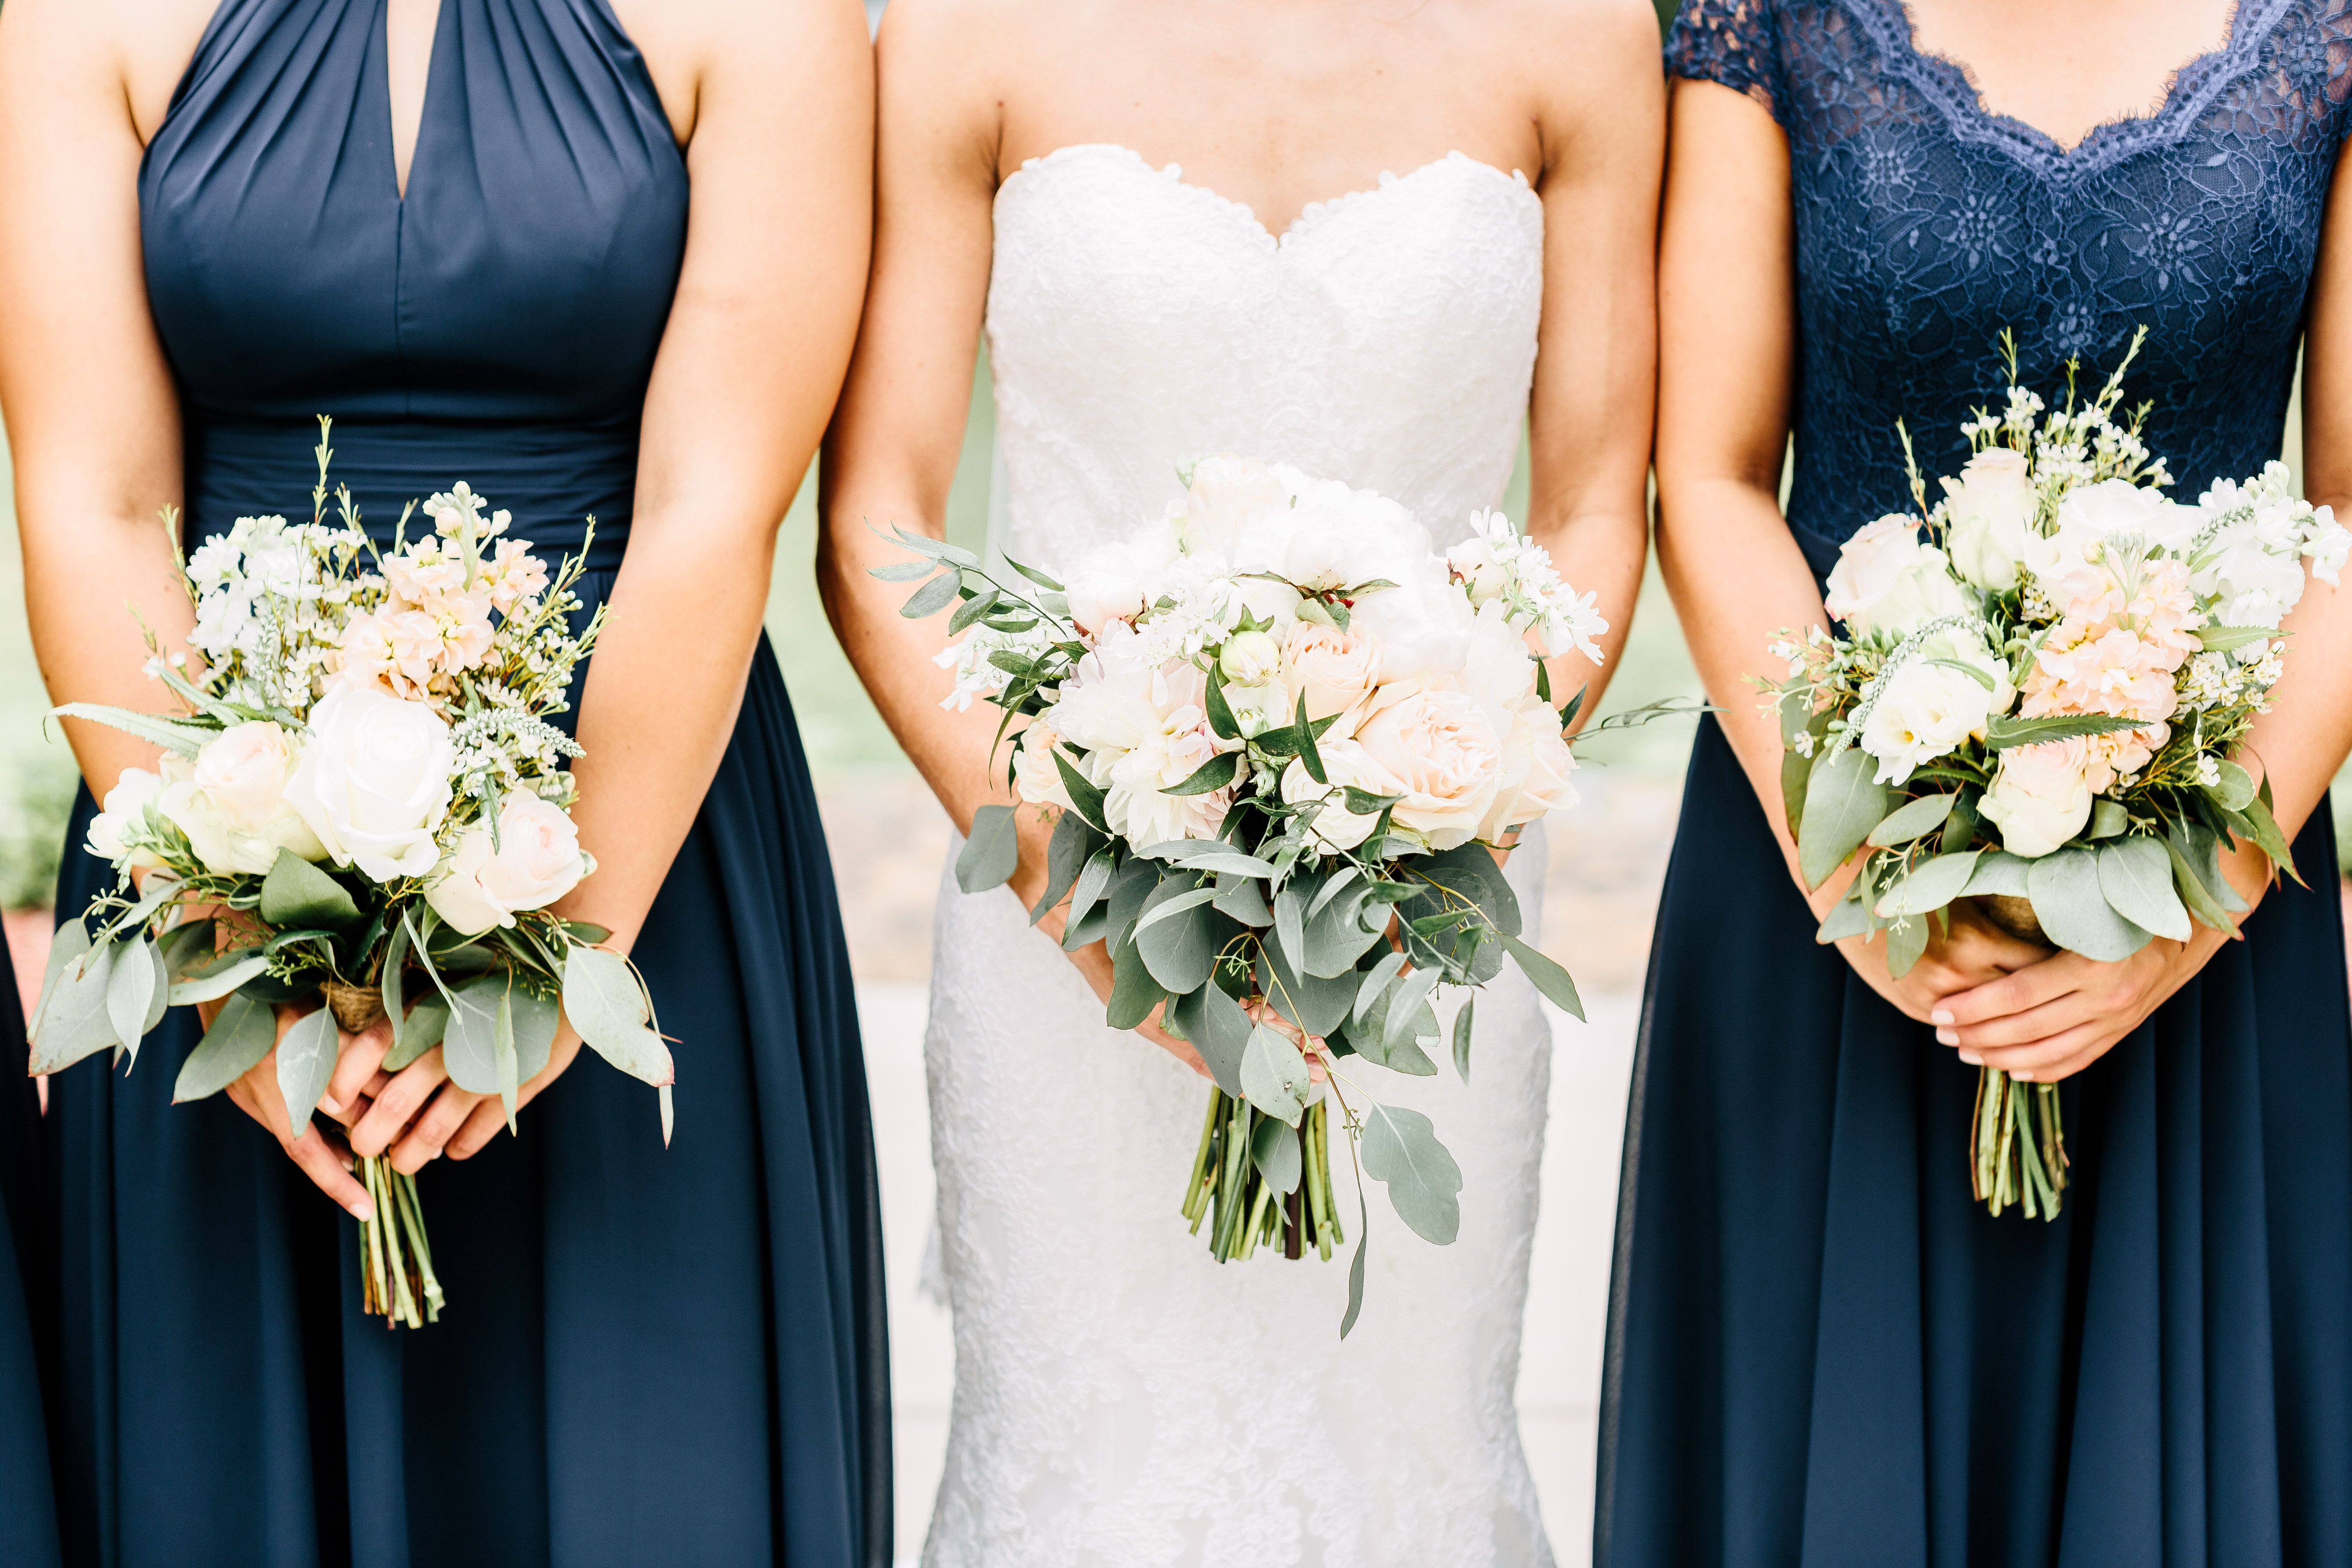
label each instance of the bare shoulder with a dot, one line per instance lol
(1578, 44)
(965, 46)
(135, 51)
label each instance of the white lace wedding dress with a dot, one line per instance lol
(1122, 1401)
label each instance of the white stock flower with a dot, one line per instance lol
(536, 860)
(124, 819)
(373, 781)
(2067, 559)
(1922, 711)
(1989, 508)
(232, 803)
(1444, 754)
(2041, 796)
(1889, 582)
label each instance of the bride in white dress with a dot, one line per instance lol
(1121, 1399)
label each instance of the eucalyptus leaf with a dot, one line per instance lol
(71, 940)
(1848, 917)
(1243, 899)
(427, 1020)
(241, 1033)
(1133, 883)
(1997, 873)
(2201, 847)
(1467, 874)
(1133, 991)
(1462, 1036)
(298, 896)
(1843, 803)
(1401, 1149)
(1796, 773)
(1337, 935)
(1087, 890)
(469, 1046)
(1065, 858)
(1290, 924)
(990, 852)
(1912, 819)
(1408, 1007)
(2108, 818)
(1315, 1004)
(973, 609)
(1931, 885)
(1273, 1148)
(1355, 1266)
(535, 1022)
(607, 1005)
(2073, 911)
(2233, 787)
(394, 984)
(305, 1060)
(903, 571)
(188, 945)
(1218, 1029)
(220, 983)
(2135, 875)
(135, 987)
(1906, 939)
(1374, 983)
(502, 1051)
(1548, 977)
(1273, 1075)
(1175, 936)
(932, 597)
(73, 1020)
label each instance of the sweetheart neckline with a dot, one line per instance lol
(1308, 216)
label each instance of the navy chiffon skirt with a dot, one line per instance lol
(650, 1355)
(28, 1518)
(1822, 1351)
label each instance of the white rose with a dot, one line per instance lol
(373, 781)
(1888, 583)
(1990, 508)
(2040, 798)
(1439, 746)
(1484, 578)
(1344, 763)
(2091, 516)
(1034, 772)
(1537, 764)
(1336, 671)
(232, 802)
(126, 814)
(537, 860)
(1922, 712)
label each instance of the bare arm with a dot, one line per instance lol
(750, 362)
(1727, 288)
(2057, 1017)
(1588, 424)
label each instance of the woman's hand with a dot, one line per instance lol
(1971, 953)
(1093, 960)
(320, 1153)
(2051, 1019)
(417, 1114)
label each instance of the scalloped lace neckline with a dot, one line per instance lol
(2188, 85)
(1309, 215)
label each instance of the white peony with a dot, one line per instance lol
(1888, 583)
(1535, 766)
(1990, 510)
(1922, 711)
(536, 860)
(232, 802)
(1444, 754)
(373, 781)
(125, 817)
(1117, 580)
(1228, 498)
(2041, 798)
(1420, 626)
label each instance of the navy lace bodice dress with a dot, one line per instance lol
(1822, 1351)
(650, 1356)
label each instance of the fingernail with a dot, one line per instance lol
(1948, 1036)
(1941, 1016)
(330, 1104)
(363, 1211)
(1973, 1060)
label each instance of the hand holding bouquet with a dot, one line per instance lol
(1281, 733)
(2035, 702)
(361, 803)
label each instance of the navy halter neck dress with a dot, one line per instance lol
(1822, 1353)
(651, 1356)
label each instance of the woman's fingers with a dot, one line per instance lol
(397, 1104)
(434, 1128)
(257, 1095)
(2031, 986)
(2059, 1055)
(357, 1056)
(2019, 1028)
(486, 1122)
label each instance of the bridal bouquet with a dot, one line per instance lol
(361, 802)
(1281, 732)
(2034, 702)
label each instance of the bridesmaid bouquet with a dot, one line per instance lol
(360, 803)
(2034, 702)
(1280, 732)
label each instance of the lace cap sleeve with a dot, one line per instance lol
(1729, 41)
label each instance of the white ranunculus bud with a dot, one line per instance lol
(1990, 508)
(373, 781)
(125, 814)
(1439, 746)
(2041, 798)
(1250, 658)
(1887, 582)
(1265, 706)
(536, 860)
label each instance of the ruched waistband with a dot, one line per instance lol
(553, 478)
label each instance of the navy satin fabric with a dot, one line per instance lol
(28, 1516)
(650, 1356)
(1822, 1353)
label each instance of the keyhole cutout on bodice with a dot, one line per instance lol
(2067, 67)
(409, 26)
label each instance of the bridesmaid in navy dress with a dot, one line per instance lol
(1821, 1351)
(463, 228)
(29, 1519)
